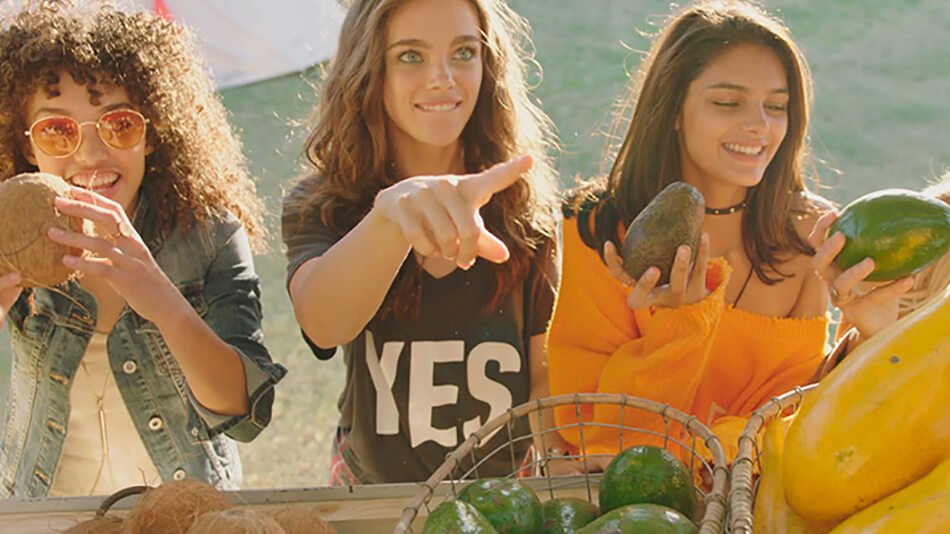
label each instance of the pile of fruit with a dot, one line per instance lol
(869, 450)
(644, 489)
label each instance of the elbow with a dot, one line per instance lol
(322, 330)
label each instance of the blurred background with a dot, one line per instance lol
(881, 119)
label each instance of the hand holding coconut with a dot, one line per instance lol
(122, 259)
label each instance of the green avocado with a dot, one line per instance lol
(567, 515)
(457, 517)
(674, 217)
(645, 474)
(510, 506)
(641, 519)
(902, 231)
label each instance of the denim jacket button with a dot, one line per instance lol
(179, 474)
(129, 367)
(155, 423)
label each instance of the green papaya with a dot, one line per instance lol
(567, 515)
(457, 517)
(510, 506)
(646, 474)
(674, 217)
(641, 519)
(902, 231)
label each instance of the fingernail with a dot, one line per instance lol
(70, 261)
(55, 232)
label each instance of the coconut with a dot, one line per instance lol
(27, 211)
(301, 520)
(173, 507)
(98, 525)
(235, 521)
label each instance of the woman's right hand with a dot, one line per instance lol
(687, 283)
(9, 291)
(870, 312)
(439, 215)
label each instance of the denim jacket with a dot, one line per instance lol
(211, 264)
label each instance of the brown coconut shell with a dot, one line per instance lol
(301, 519)
(236, 521)
(27, 212)
(173, 507)
(97, 525)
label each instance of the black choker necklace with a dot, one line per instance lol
(727, 211)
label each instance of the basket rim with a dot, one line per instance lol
(716, 500)
(741, 483)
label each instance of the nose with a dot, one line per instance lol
(757, 119)
(91, 149)
(440, 75)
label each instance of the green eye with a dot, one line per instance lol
(410, 56)
(465, 54)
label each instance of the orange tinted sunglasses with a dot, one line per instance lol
(60, 137)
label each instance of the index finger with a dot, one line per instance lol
(817, 235)
(480, 187)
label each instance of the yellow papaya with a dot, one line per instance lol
(876, 423)
(770, 513)
(921, 508)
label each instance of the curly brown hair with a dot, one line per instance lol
(197, 170)
(351, 158)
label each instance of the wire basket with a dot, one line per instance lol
(682, 431)
(743, 482)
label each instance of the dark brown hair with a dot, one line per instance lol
(649, 157)
(197, 170)
(350, 155)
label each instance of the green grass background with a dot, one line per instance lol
(881, 119)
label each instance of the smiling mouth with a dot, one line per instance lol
(95, 181)
(442, 107)
(745, 150)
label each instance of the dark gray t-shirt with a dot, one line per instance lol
(415, 390)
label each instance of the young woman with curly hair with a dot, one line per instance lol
(421, 113)
(721, 102)
(147, 364)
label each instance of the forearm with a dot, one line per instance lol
(335, 295)
(212, 368)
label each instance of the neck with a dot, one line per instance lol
(427, 160)
(720, 196)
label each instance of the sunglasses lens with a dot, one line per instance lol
(56, 136)
(122, 128)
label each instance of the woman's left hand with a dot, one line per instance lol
(122, 259)
(869, 312)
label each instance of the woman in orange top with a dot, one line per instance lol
(721, 102)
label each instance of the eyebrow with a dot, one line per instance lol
(65, 112)
(419, 43)
(737, 87)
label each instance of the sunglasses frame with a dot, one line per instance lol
(80, 125)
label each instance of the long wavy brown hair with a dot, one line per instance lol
(351, 158)
(197, 170)
(649, 157)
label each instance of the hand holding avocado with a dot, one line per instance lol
(687, 282)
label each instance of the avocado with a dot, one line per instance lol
(567, 515)
(902, 231)
(674, 217)
(510, 506)
(646, 474)
(457, 517)
(641, 519)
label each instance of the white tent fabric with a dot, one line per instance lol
(249, 40)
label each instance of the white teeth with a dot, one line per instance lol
(95, 181)
(743, 149)
(437, 107)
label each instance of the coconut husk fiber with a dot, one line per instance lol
(301, 519)
(27, 212)
(97, 525)
(173, 507)
(236, 521)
